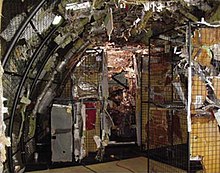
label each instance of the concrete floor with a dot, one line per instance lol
(134, 165)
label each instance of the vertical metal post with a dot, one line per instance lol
(141, 106)
(73, 114)
(189, 91)
(172, 94)
(148, 110)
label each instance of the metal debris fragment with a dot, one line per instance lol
(78, 6)
(4, 141)
(109, 23)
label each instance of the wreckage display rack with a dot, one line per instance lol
(176, 77)
(161, 109)
(20, 78)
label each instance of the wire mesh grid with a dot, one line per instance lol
(166, 126)
(164, 99)
(87, 78)
(19, 58)
(66, 94)
(144, 99)
(10, 83)
(205, 135)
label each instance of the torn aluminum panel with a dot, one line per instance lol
(205, 71)
(48, 91)
(64, 39)
(77, 6)
(109, 23)
(217, 116)
(61, 132)
(12, 27)
(42, 21)
(79, 131)
(85, 89)
(50, 63)
(104, 83)
(86, 86)
(87, 75)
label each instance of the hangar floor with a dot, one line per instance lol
(134, 165)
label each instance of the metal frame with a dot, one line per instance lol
(15, 103)
(189, 28)
(148, 101)
(189, 46)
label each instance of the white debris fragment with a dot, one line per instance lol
(198, 102)
(176, 52)
(158, 6)
(97, 140)
(196, 158)
(216, 51)
(78, 6)
(217, 116)
(57, 20)
(12, 27)
(203, 22)
(136, 21)
(109, 23)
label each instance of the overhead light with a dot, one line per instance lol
(57, 19)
